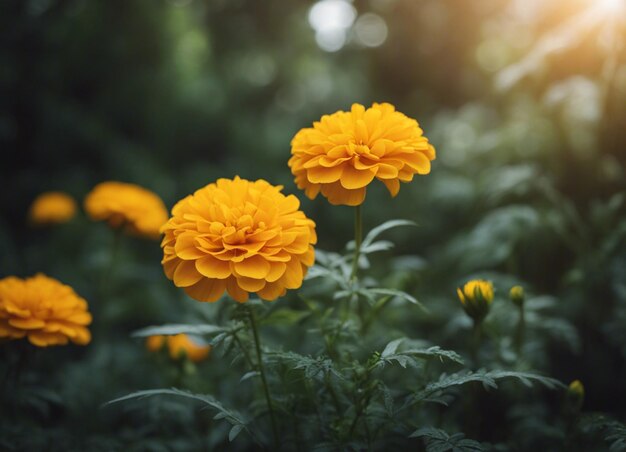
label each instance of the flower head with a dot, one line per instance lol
(44, 310)
(476, 297)
(342, 153)
(130, 206)
(52, 207)
(576, 394)
(179, 346)
(238, 236)
(516, 294)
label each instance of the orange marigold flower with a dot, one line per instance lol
(130, 206)
(44, 310)
(179, 346)
(238, 236)
(52, 207)
(343, 153)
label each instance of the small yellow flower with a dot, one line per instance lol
(576, 387)
(137, 210)
(239, 237)
(179, 346)
(342, 153)
(516, 294)
(576, 394)
(52, 207)
(43, 310)
(476, 297)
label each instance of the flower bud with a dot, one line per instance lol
(476, 298)
(576, 393)
(516, 294)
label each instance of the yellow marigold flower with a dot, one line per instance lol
(52, 207)
(130, 206)
(238, 236)
(179, 346)
(476, 297)
(44, 310)
(343, 153)
(516, 294)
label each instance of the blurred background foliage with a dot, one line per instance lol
(523, 99)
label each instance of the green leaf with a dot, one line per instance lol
(234, 432)
(231, 416)
(313, 368)
(391, 348)
(371, 236)
(393, 293)
(168, 330)
(381, 245)
(284, 316)
(487, 378)
(438, 440)
(611, 430)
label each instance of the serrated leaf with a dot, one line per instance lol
(435, 351)
(233, 417)
(169, 330)
(438, 440)
(487, 378)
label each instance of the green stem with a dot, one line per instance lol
(519, 334)
(243, 349)
(107, 274)
(266, 390)
(358, 238)
(476, 338)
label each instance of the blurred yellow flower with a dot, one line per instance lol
(576, 394)
(129, 206)
(179, 346)
(516, 294)
(52, 207)
(343, 153)
(238, 236)
(476, 297)
(577, 388)
(44, 310)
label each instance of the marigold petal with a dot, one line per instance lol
(253, 267)
(419, 162)
(250, 284)
(338, 195)
(292, 279)
(207, 289)
(27, 324)
(236, 292)
(186, 274)
(211, 267)
(272, 291)
(277, 270)
(353, 178)
(185, 247)
(322, 175)
(45, 339)
(393, 185)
